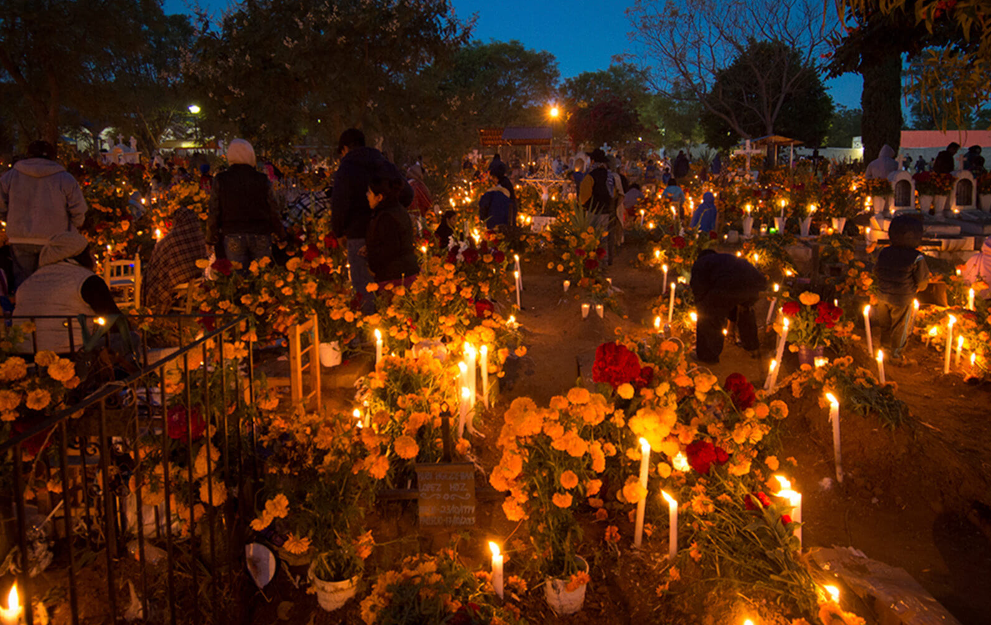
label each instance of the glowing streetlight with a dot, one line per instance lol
(555, 112)
(194, 109)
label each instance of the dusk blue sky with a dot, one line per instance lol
(582, 36)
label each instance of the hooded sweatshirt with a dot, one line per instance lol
(883, 165)
(978, 267)
(704, 217)
(350, 213)
(40, 199)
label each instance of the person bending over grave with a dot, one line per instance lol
(63, 286)
(725, 287)
(901, 272)
(173, 261)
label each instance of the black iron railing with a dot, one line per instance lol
(144, 482)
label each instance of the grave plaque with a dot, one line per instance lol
(446, 494)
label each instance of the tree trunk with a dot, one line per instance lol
(881, 101)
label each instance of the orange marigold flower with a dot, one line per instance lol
(406, 447)
(562, 500)
(296, 545)
(569, 480)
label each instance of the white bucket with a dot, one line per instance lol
(559, 599)
(330, 354)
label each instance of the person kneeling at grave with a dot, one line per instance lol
(901, 272)
(725, 287)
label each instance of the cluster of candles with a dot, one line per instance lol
(600, 310)
(468, 379)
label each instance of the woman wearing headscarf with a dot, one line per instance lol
(244, 215)
(978, 268)
(173, 261)
(704, 217)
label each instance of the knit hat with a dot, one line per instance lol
(62, 246)
(240, 152)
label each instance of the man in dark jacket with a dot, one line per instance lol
(350, 213)
(901, 272)
(681, 166)
(725, 287)
(597, 195)
(495, 207)
(944, 160)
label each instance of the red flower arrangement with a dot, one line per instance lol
(177, 425)
(758, 500)
(741, 391)
(615, 364)
(679, 242)
(482, 306)
(223, 266)
(703, 454)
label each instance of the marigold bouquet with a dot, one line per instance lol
(812, 320)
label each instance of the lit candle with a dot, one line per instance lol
(463, 415)
(833, 592)
(600, 310)
(642, 504)
(970, 299)
(472, 357)
(911, 316)
(463, 368)
(672, 525)
(158, 237)
(795, 499)
(567, 285)
(671, 303)
(516, 274)
(485, 375)
(519, 272)
(657, 324)
(785, 323)
(585, 309)
(664, 268)
(880, 365)
(956, 361)
(949, 343)
(771, 376)
(378, 346)
(11, 615)
(933, 331)
(834, 416)
(973, 363)
(497, 561)
(773, 306)
(867, 329)
(867, 234)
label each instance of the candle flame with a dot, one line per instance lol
(657, 254)
(465, 392)
(784, 482)
(494, 548)
(880, 355)
(13, 601)
(748, 622)
(973, 358)
(378, 334)
(777, 287)
(469, 349)
(657, 323)
(832, 399)
(693, 316)
(774, 364)
(833, 591)
(463, 367)
(665, 268)
(933, 331)
(952, 320)
(867, 310)
(960, 342)
(644, 445)
(668, 498)
(357, 413)
(485, 350)
(787, 322)
(680, 462)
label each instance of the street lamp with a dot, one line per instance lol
(555, 112)
(194, 109)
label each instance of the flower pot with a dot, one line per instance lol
(925, 203)
(779, 223)
(332, 595)
(295, 559)
(838, 223)
(879, 202)
(805, 225)
(561, 600)
(807, 354)
(330, 354)
(939, 203)
(986, 203)
(748, 225)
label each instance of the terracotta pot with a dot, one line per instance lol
(559, 599)
(332, 595)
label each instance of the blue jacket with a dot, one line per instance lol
(704, 217)
(495, 207)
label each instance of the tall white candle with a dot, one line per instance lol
(880, 365)
(519, 287)
(772, 376)
(949, 343)
(665, 269)
(672, 525)
(956, 361)
(774, 305)
(519, 272)
(497, 563)
(970, 299)
(867, 329)
(463, 414)
(834, 416)
(657, 324)
(378, 346)
(642, 504)
(472, 355)
(785, 324)
(911, 317)
(671, 303)
(485, 375)
(795, 500)
(463, 369)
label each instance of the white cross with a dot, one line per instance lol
(747, 151)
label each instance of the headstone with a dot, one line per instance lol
(963, 195)
(747, 151)
(446, 494)
(903, 190)
(134, 144)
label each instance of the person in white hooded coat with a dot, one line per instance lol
(883, 165)
(38, 199)
(978, 268)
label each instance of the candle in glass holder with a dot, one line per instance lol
(600, 310)
(567, 285)
(585, 309)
